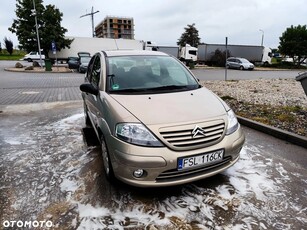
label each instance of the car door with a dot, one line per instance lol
(236, 63)
(93, 101)
(231, 63)
(73, 63)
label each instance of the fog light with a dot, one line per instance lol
(138, 173)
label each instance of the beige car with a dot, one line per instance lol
(157, 125)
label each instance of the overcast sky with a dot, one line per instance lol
(163, 21)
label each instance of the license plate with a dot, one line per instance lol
(200, 160)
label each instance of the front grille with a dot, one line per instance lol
(181, 137)
(175, 174)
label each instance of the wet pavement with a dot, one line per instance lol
(51, 170)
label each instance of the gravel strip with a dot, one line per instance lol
(274, 92)
(280, 103)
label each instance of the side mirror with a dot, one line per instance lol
(89, 88)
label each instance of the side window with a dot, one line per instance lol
(193, 52)
(95, 74)
(89, 69)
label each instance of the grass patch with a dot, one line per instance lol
(11, 57)
(289, 118)
(16, 55)
(227, 98)
(262, 120)
(293, 109)
(286, 118)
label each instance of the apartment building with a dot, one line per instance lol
(115, 27)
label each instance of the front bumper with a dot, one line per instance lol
(160, 164)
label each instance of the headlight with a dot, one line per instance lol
(136, 134)
(232, 122)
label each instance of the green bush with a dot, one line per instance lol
(219, 58)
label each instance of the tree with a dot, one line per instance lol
(8, 45)
(219, 58)
(293, 43)
(190, 36)
(52, 30)
(49, 26)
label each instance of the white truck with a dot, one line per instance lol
(171, 50)
(92, 46)
(186, 53)
(255, 54)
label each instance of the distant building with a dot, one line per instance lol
(115, 27)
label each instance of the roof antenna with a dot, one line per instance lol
(92, 16)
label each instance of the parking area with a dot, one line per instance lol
(51, 170)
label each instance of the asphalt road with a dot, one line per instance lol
(51, 170)
(24, 88)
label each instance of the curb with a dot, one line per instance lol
(22, 70)
(275, 132)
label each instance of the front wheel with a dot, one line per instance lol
(106, 161)
(241, 68)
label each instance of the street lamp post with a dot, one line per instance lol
(37, 34)
(262, 37)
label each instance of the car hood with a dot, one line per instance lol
(187, 106)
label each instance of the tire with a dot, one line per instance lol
(86, 117)
(241, 68)
(29, 60)
(107, 166)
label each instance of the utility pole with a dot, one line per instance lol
(226, 45)
(92, 16)
(37, 34)
(262, 37)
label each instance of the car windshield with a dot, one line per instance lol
(244, 60)
(148, 74)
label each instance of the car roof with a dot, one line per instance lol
(113, 53)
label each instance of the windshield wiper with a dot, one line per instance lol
(128, 90)
(170, 87)
(156, 89)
